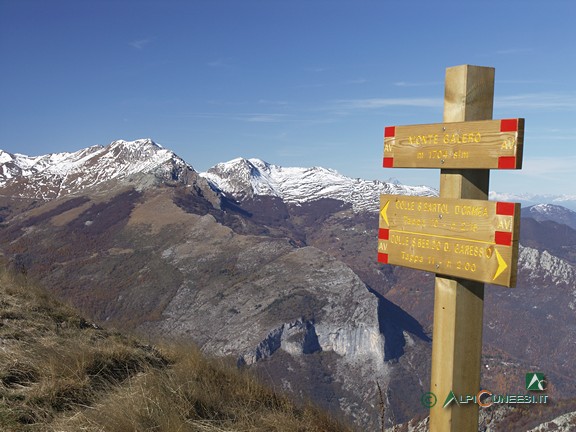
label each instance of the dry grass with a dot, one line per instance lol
(60, 373)
(197, 394)
(52, 361)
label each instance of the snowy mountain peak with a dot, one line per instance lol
(549, 209)
(137, 143)
(145, 144)
(239, 167)
(245, 178)
(551, 212)
(51, 175)
(5, 157)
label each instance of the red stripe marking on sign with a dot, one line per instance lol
(505, 208)
(389, 131)
(383, 233)
(383, 258)
(509, 125)
(503, 238)
(507, 162)
(388, 162)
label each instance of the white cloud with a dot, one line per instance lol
(220, 62)
(377, 103)
(528, 100)
(510, 51)
(520, 81)
(272, 102)
(317, 69)
(357, 81)
(246, 117)
(139, 44)
(417, 84)
(548, 166)
(537, 100)
(265, 118)
(304, 86)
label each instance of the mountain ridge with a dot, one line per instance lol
(246, 178)
(55, 174)
(552, 212)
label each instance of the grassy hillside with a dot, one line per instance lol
(59, 372)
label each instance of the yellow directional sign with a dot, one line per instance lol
(471, 239)
(383, 212)
(501, 264)
(482, 144)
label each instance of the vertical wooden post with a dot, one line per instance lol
(459, 304)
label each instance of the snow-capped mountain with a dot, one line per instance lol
(244, 178)
(53, 175)
(551, 212)
(56, 174)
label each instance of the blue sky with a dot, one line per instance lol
(296, 83)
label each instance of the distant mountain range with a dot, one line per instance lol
(51, 175)
(276, 267)
(551, 212)
(529, 199)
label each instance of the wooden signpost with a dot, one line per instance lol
(461, 236)
(490, 144)
(471, 239)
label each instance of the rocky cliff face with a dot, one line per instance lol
(258, 299)
(545, 267)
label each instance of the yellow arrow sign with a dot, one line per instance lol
(453, 237)
(384, 213)
(501, 264)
